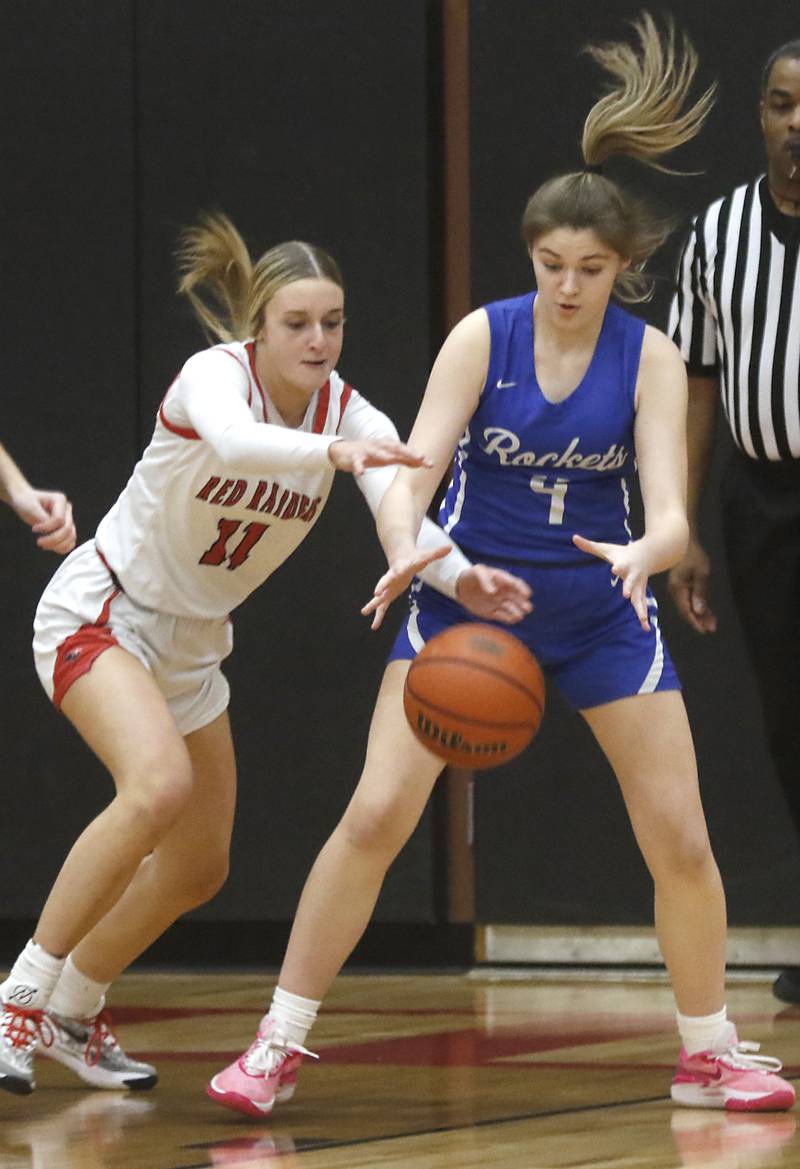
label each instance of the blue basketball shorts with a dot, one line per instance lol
(583, 631)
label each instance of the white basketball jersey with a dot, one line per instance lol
(191, 536)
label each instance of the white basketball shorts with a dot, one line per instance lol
(83, 612)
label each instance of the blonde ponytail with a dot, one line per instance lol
(213, 256)
(639, 117)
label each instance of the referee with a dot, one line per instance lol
(736, 319)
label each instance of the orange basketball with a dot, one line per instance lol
(474, 696)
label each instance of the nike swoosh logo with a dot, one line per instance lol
(501, 385)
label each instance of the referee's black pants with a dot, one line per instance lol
(761, 528)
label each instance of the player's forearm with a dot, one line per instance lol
(440, 574)
(398, 521)
(665, 538)
(257, 448)
(12, 482)
(700, 423)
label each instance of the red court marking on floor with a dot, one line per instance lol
(469, 1047)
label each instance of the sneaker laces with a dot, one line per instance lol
(740, 1056)
(268, 1053)
(22, 1028)
(100, 1033)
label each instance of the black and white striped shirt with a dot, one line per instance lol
(736, 312)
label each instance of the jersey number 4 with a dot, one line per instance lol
(218, 553)
(557, 490)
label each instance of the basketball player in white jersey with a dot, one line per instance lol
(130, 633)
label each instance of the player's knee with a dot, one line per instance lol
(378, 825)
(158, 793)
(203, 879)
(687, 853)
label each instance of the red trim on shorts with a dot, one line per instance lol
(346, 393)
(250, 348)
(106, 565)
(321, 412)
(77, 653)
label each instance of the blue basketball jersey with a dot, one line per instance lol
(529, 473)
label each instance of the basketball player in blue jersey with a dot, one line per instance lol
(549, 402)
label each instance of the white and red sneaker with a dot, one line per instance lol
(20, 1031)
(732, 1077)
(90, 1048)
(266, 1073)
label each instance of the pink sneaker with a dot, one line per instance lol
(265, 1073)
(732, 1078)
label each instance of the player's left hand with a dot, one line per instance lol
(629, 564)
(494, 595)
(397, 579)
(49, 515)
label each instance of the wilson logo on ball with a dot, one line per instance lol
(431, 733)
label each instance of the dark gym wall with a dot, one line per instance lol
(552, 839)
(69, 389)
(124, 119)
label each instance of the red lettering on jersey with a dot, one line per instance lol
(283, 499)
(204, 492)
(270, 504)
(223, 491)
(312, 511)
(291, 507)
(252, 534)
(259, 491)
(218, 552)
(239, 488)
(305, 503)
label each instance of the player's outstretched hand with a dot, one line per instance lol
(397, 579)
(358, 455)
(49, 515)
(494, 595)
(629, 564)
(688, 586)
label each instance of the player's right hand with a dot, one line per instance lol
(688, 586)
(493, 594)
(359, 455)
(397, 579)
(49, 515)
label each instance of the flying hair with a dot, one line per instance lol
(213, 256)
(641, 116)
(226, 290)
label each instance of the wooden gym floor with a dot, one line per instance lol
(418, 1072)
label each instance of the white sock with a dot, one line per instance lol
(76, 995)
(32, 978)
(293, 1015)
(698, 1032)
